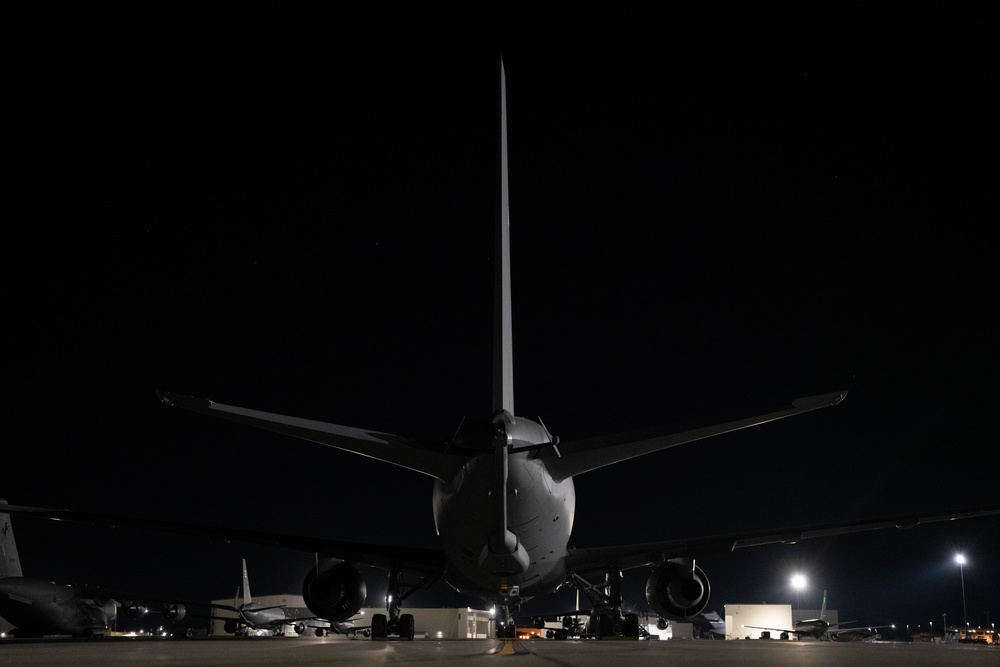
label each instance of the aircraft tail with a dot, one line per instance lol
(822, 610)
(503, 358)
(246, 584)
(10, 565)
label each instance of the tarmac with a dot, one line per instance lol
(224, 651)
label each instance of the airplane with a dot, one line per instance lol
(259, 617)
(866, 634)
(504, 499)
(710, 625)
(37, 608)
(818, 628)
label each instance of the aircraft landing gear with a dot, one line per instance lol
(395, 623)
(609, 618)
(506, 625)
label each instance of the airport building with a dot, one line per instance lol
(739, 616)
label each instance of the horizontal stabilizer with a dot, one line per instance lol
(425, 457)
(575, 458)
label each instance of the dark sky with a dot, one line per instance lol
(296, 216)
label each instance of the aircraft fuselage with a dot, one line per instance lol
(38, 607)
(273, 617)
(540, 514)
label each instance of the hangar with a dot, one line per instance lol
(738, 616)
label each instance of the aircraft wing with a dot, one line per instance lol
(860, 629)
(423, 456)
(760, 627)
(427, 561)
(864, 630)
(301, 614)
(574, 458)
(596, 560)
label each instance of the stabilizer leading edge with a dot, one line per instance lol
(503, 363)
(426, 457)
(574, 458)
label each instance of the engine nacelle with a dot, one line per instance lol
(336, 591)
(677, 590)
(299, 627)
(174, 612)
(134, 608)
(231, 626)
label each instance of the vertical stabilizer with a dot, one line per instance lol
(822, 611)
(246, 584)
(11, 564)
(503, 364)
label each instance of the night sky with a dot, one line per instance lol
(296, 216)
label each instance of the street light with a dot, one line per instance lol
(798, 583)
(960, 559)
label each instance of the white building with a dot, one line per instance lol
(739, 616)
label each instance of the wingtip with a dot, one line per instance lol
(820, 401)
(189, 402)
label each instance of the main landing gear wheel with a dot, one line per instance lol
(378, 626)
(631, 628)
(406, 626)
(601, 625)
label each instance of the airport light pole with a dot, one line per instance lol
(798, 583)
(960, 559)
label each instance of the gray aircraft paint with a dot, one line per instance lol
(36, 607)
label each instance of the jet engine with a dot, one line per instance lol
(231, 626)
(677, 590)
(334, 590)
(174, 612)
(299, 627)
(134, 608)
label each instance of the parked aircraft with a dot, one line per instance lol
(504, 500)
(36, 608)
(257, 616)
(819, 628)
(866, 634)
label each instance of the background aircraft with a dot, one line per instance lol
(820, 628)
(257, 616)
(36, 608)
(504, 499)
